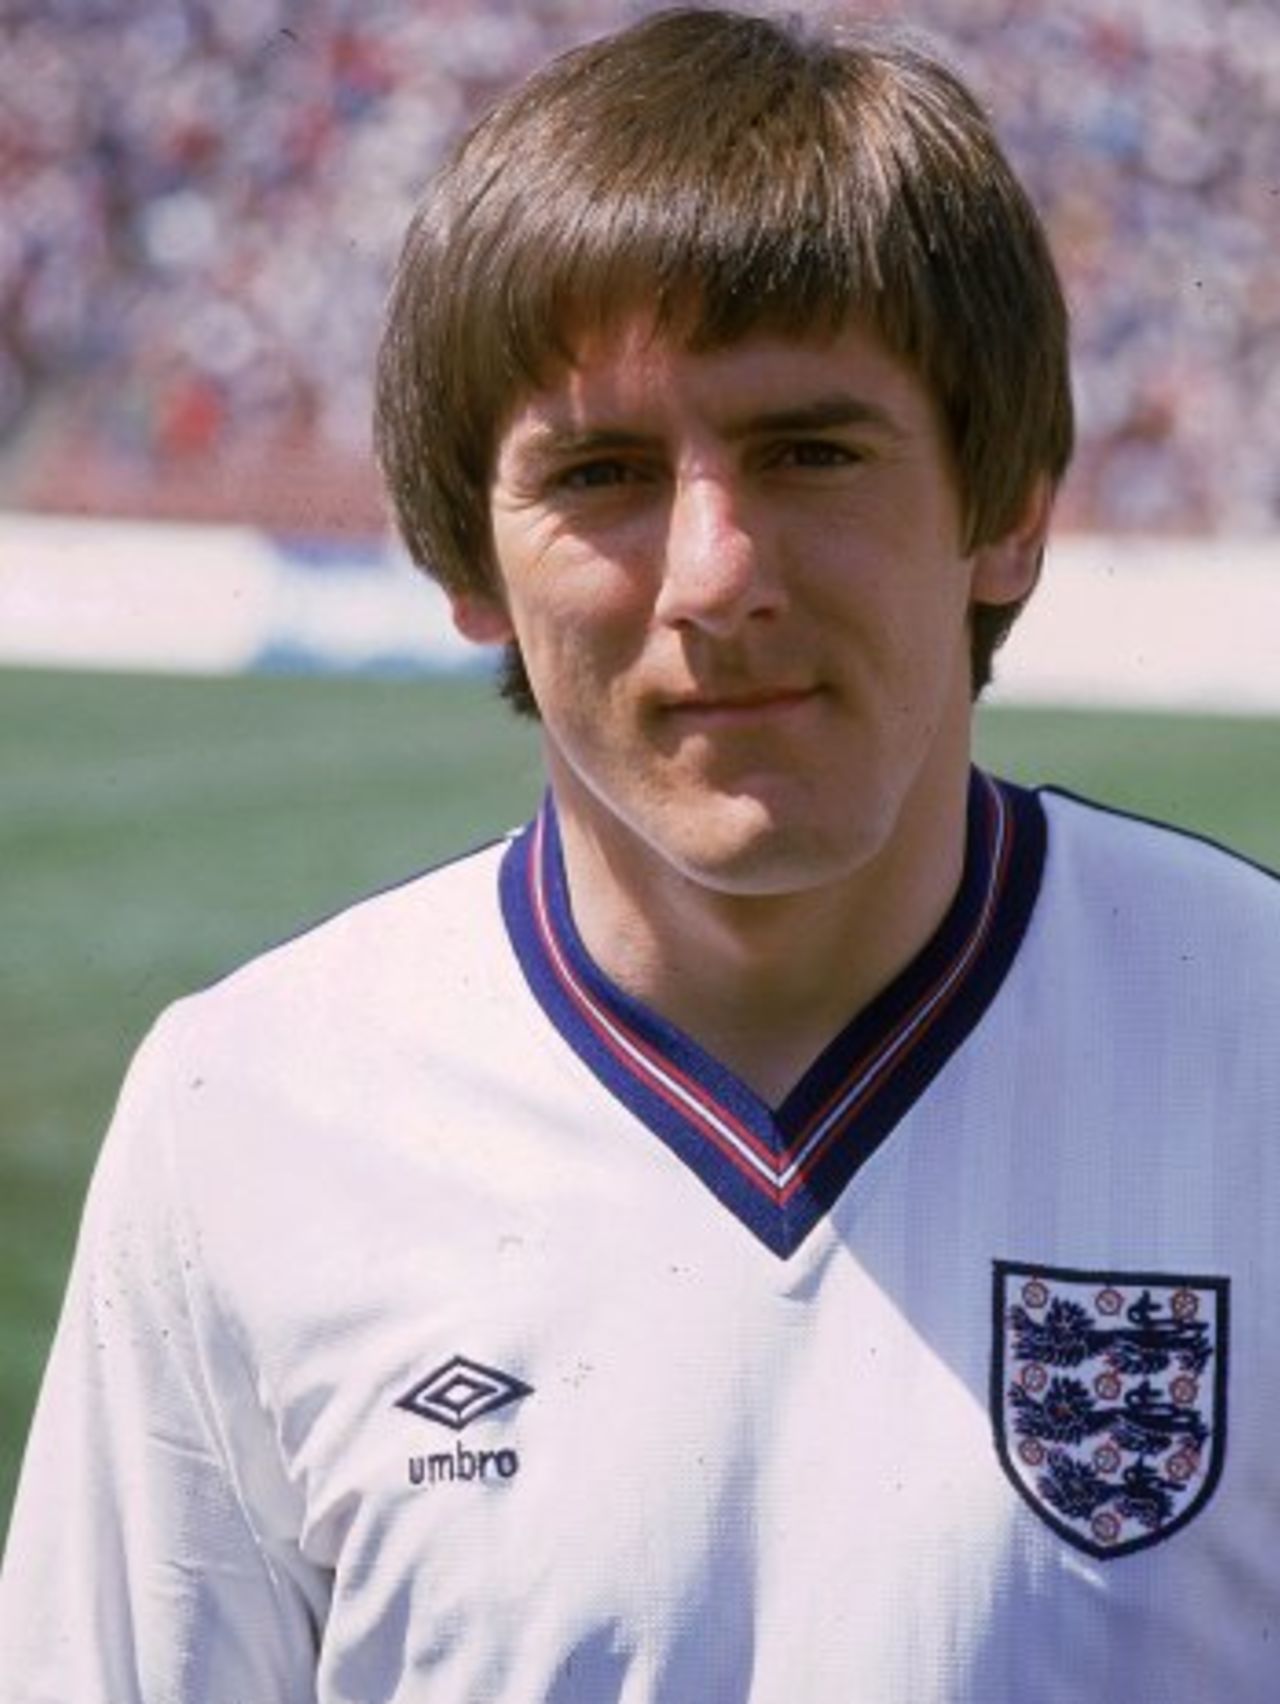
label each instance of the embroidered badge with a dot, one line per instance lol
(1109, 1399)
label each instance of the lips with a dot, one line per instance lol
(743, 703)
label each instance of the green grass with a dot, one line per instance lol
(154, 832)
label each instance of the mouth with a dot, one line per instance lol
(754, 704)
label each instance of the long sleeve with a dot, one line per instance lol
(136, 1570)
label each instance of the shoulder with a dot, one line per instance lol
(1129, 845)
(323, 1045)
(408, 949)
(440, 908)
(1161, 894)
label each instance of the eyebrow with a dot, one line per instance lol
(839, 408)
(549, 441)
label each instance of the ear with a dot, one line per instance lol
(1006, 570)
(480, 618)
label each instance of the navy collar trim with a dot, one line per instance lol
(781, 1170)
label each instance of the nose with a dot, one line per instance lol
(717, 571)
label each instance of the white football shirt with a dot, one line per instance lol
(446, 1327)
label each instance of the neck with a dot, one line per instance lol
(765, 982)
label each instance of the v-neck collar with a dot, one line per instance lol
(779, 1170)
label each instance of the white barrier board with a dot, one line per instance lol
(1189, 624)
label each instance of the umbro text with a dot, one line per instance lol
(444, 1467)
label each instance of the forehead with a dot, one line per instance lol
(639, 370)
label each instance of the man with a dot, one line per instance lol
(798, 1221)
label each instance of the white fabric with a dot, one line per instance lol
(735, 1477)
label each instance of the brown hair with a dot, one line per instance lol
(723, 173)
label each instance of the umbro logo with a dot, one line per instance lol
(457, 1394)
(460, 1392)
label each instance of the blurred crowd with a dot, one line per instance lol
(202, 200)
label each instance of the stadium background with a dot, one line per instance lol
(225, 702)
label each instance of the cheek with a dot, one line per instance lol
(912, 624)
(582, 631)
(578, 666)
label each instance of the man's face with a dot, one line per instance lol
(736, 581)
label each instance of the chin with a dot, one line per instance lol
(769, 862)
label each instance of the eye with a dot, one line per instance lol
(815, 453)
(596, 475)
